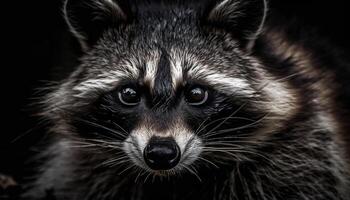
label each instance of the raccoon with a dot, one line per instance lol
(180, 100)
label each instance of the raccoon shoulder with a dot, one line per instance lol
(315, 66)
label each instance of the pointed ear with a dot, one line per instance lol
(87, 19)
(243, 18)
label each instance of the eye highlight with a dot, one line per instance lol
(129, 96)
(196, 96)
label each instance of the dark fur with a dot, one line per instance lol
(299, 159)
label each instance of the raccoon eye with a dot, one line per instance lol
(196, 96)
(129, 96)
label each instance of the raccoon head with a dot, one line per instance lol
(170, 84)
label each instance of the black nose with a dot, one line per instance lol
(162, 153)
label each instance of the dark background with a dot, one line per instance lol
(37, 48)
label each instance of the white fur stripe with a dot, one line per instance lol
(222, 82)
(176, 72)
(107, 81)
(198, 71)
(151, 68)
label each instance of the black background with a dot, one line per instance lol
(37, 47)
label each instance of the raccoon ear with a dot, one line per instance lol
(87, 19)
(243, 18)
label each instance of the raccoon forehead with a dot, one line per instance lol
(181, 68)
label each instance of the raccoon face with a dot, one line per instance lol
(170, 84)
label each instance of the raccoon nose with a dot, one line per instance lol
(161, 153)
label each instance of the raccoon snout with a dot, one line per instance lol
(162, 153)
